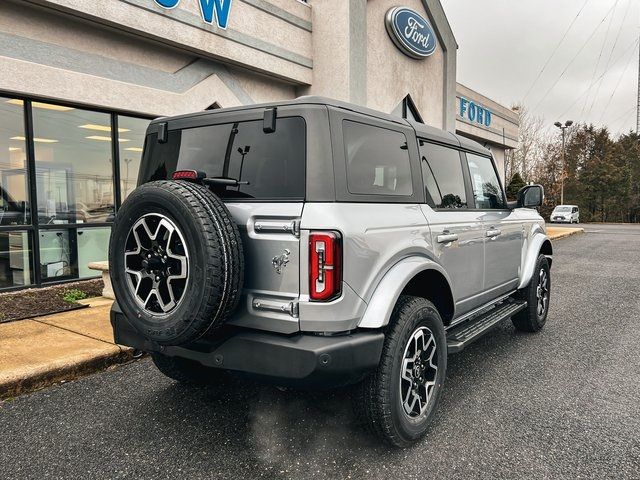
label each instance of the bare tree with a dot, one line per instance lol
(532, 140)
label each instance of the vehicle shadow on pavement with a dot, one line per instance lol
(281, 430)
(271, 423)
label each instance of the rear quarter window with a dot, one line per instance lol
(377, 159)
(272, 164)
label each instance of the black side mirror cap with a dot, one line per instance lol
(530, 196)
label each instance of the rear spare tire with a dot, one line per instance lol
(176, 261)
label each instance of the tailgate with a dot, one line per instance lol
(271, 240)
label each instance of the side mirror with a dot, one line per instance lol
(530, 196)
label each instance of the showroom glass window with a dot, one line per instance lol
(71, 173)
(16, 269)
(74, 171)
(131, 135)
(14, 193)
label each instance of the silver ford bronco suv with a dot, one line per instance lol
(316, 243)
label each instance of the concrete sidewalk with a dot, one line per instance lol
(555, 233)
(38, 352)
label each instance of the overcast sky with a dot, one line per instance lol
(504, 44)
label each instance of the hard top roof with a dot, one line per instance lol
(422, 130)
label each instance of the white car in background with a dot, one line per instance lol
(565, 214)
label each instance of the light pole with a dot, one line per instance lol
(562, 127)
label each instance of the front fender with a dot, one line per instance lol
(386, 294)
(535, 244)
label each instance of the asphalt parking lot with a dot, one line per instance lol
(564, 403)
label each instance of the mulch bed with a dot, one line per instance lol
(43, 301)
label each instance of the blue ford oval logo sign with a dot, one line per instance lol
(411, 33)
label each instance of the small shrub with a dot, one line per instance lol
(73, 295)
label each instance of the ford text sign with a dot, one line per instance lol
(411, 33)
(210, 10)
(473, 112)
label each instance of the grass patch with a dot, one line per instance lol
(73, 295)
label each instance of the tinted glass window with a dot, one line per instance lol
(442, 175)
(272, 165)
(377, 160)
(486, 186)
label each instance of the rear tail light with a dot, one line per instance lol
(325, 265)
(193, 175)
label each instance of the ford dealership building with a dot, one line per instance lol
(81, 80)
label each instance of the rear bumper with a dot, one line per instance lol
(300, 360)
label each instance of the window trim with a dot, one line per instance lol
(80, 106)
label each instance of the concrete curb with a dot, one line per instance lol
(556, 233)
(39, 352)
(38, 380)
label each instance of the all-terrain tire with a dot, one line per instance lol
(377, 400)
(215, 262)
(188, 371)
(533, 318)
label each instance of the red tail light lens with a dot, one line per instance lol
(325, 266)
(188, 175)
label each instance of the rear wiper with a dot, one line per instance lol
(223, 181)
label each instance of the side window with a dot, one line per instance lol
(575, 210)
(377, 160)
(484, 180)
(442, 175)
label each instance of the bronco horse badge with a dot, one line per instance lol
(280, 261)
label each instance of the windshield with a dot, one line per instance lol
(563, 209)
(268, 165)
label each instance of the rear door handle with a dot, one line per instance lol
(494, 232)
(447, 237)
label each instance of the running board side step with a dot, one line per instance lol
(462, 335)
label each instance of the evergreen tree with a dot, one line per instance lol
(601, 173)
(514, 186)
